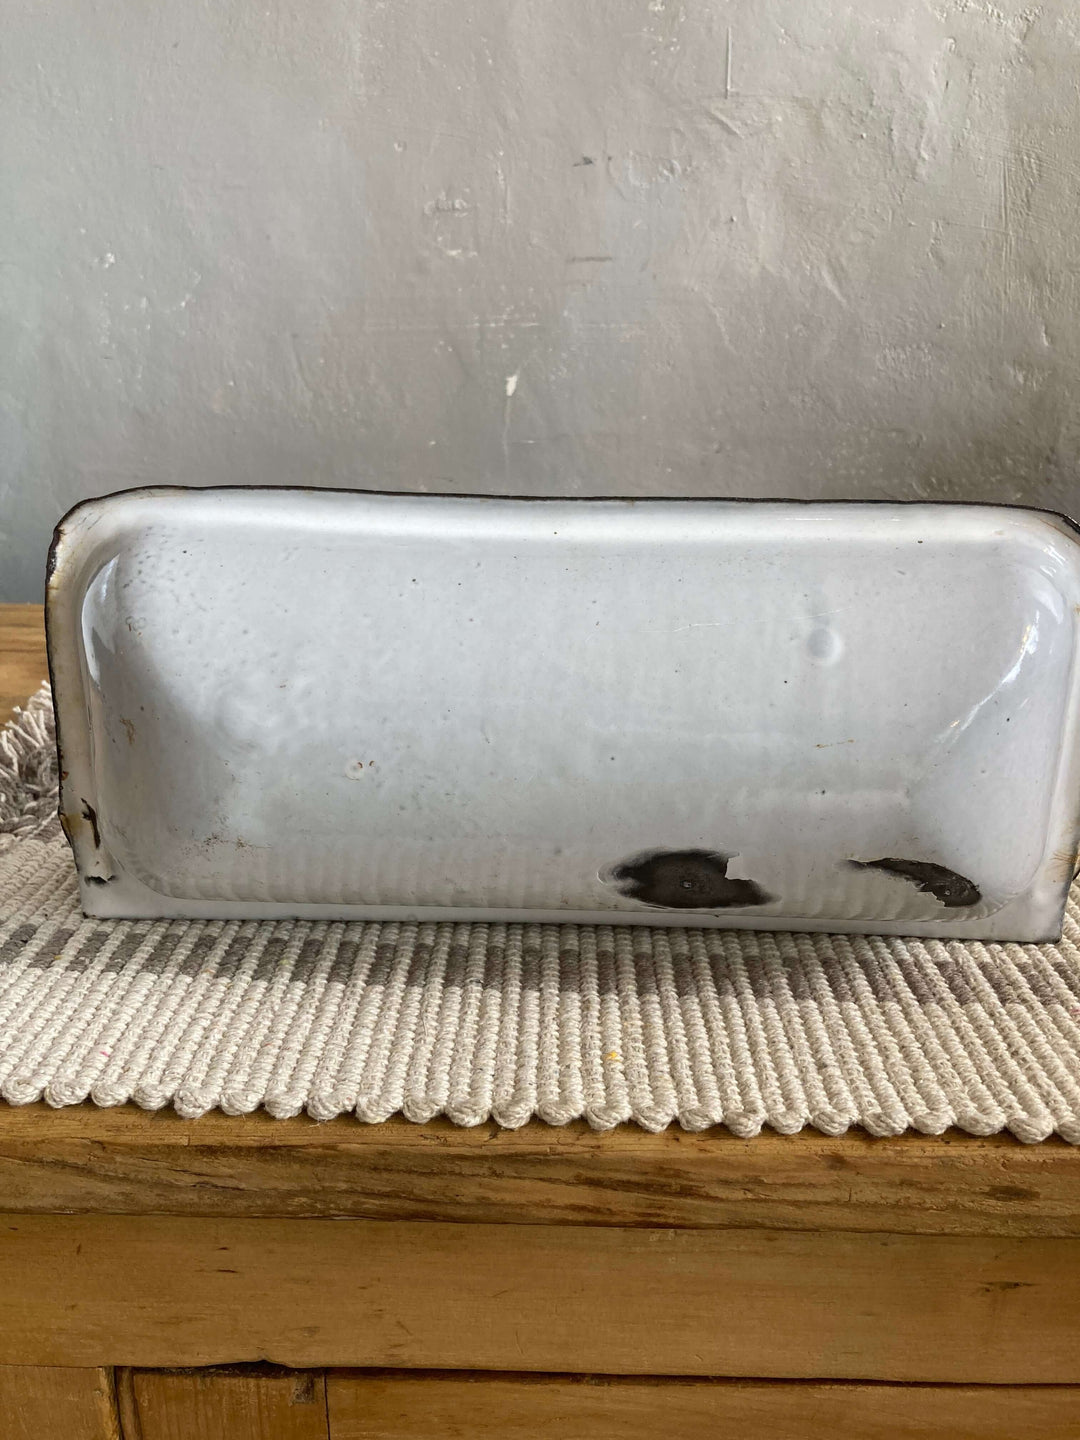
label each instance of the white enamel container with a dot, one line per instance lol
(764, 715)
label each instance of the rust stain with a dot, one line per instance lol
(1062, 866)
(129, 726)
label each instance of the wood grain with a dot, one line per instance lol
(231, 1404)
(129, 1161)
(56, 1403)
(126, 1407)
(150, 1291)
(23, 665)
(391, 1406)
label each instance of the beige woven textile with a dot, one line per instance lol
(508, 1022)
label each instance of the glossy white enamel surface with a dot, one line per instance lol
(332, 704)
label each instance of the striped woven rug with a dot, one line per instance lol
(511, 1022)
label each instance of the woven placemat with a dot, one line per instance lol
(511, 1022)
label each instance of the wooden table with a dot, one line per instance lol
(347, 1281)
(22, 655)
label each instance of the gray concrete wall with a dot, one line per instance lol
(762, 247)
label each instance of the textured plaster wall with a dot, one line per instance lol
(762, 247)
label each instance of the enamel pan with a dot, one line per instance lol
(760, 715)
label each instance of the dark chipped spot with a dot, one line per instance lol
(97, 879)
(304, 1390)
(585, 160)
(685, 880)
(89, 813)
(953, 890)
(53, 557)
(1010, 1192)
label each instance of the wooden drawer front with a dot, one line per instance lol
(57, 1402)
(393, 1406)
(154, 1291)
(268, 1403)
(238, 1403)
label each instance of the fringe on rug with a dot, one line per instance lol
(29, 782)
